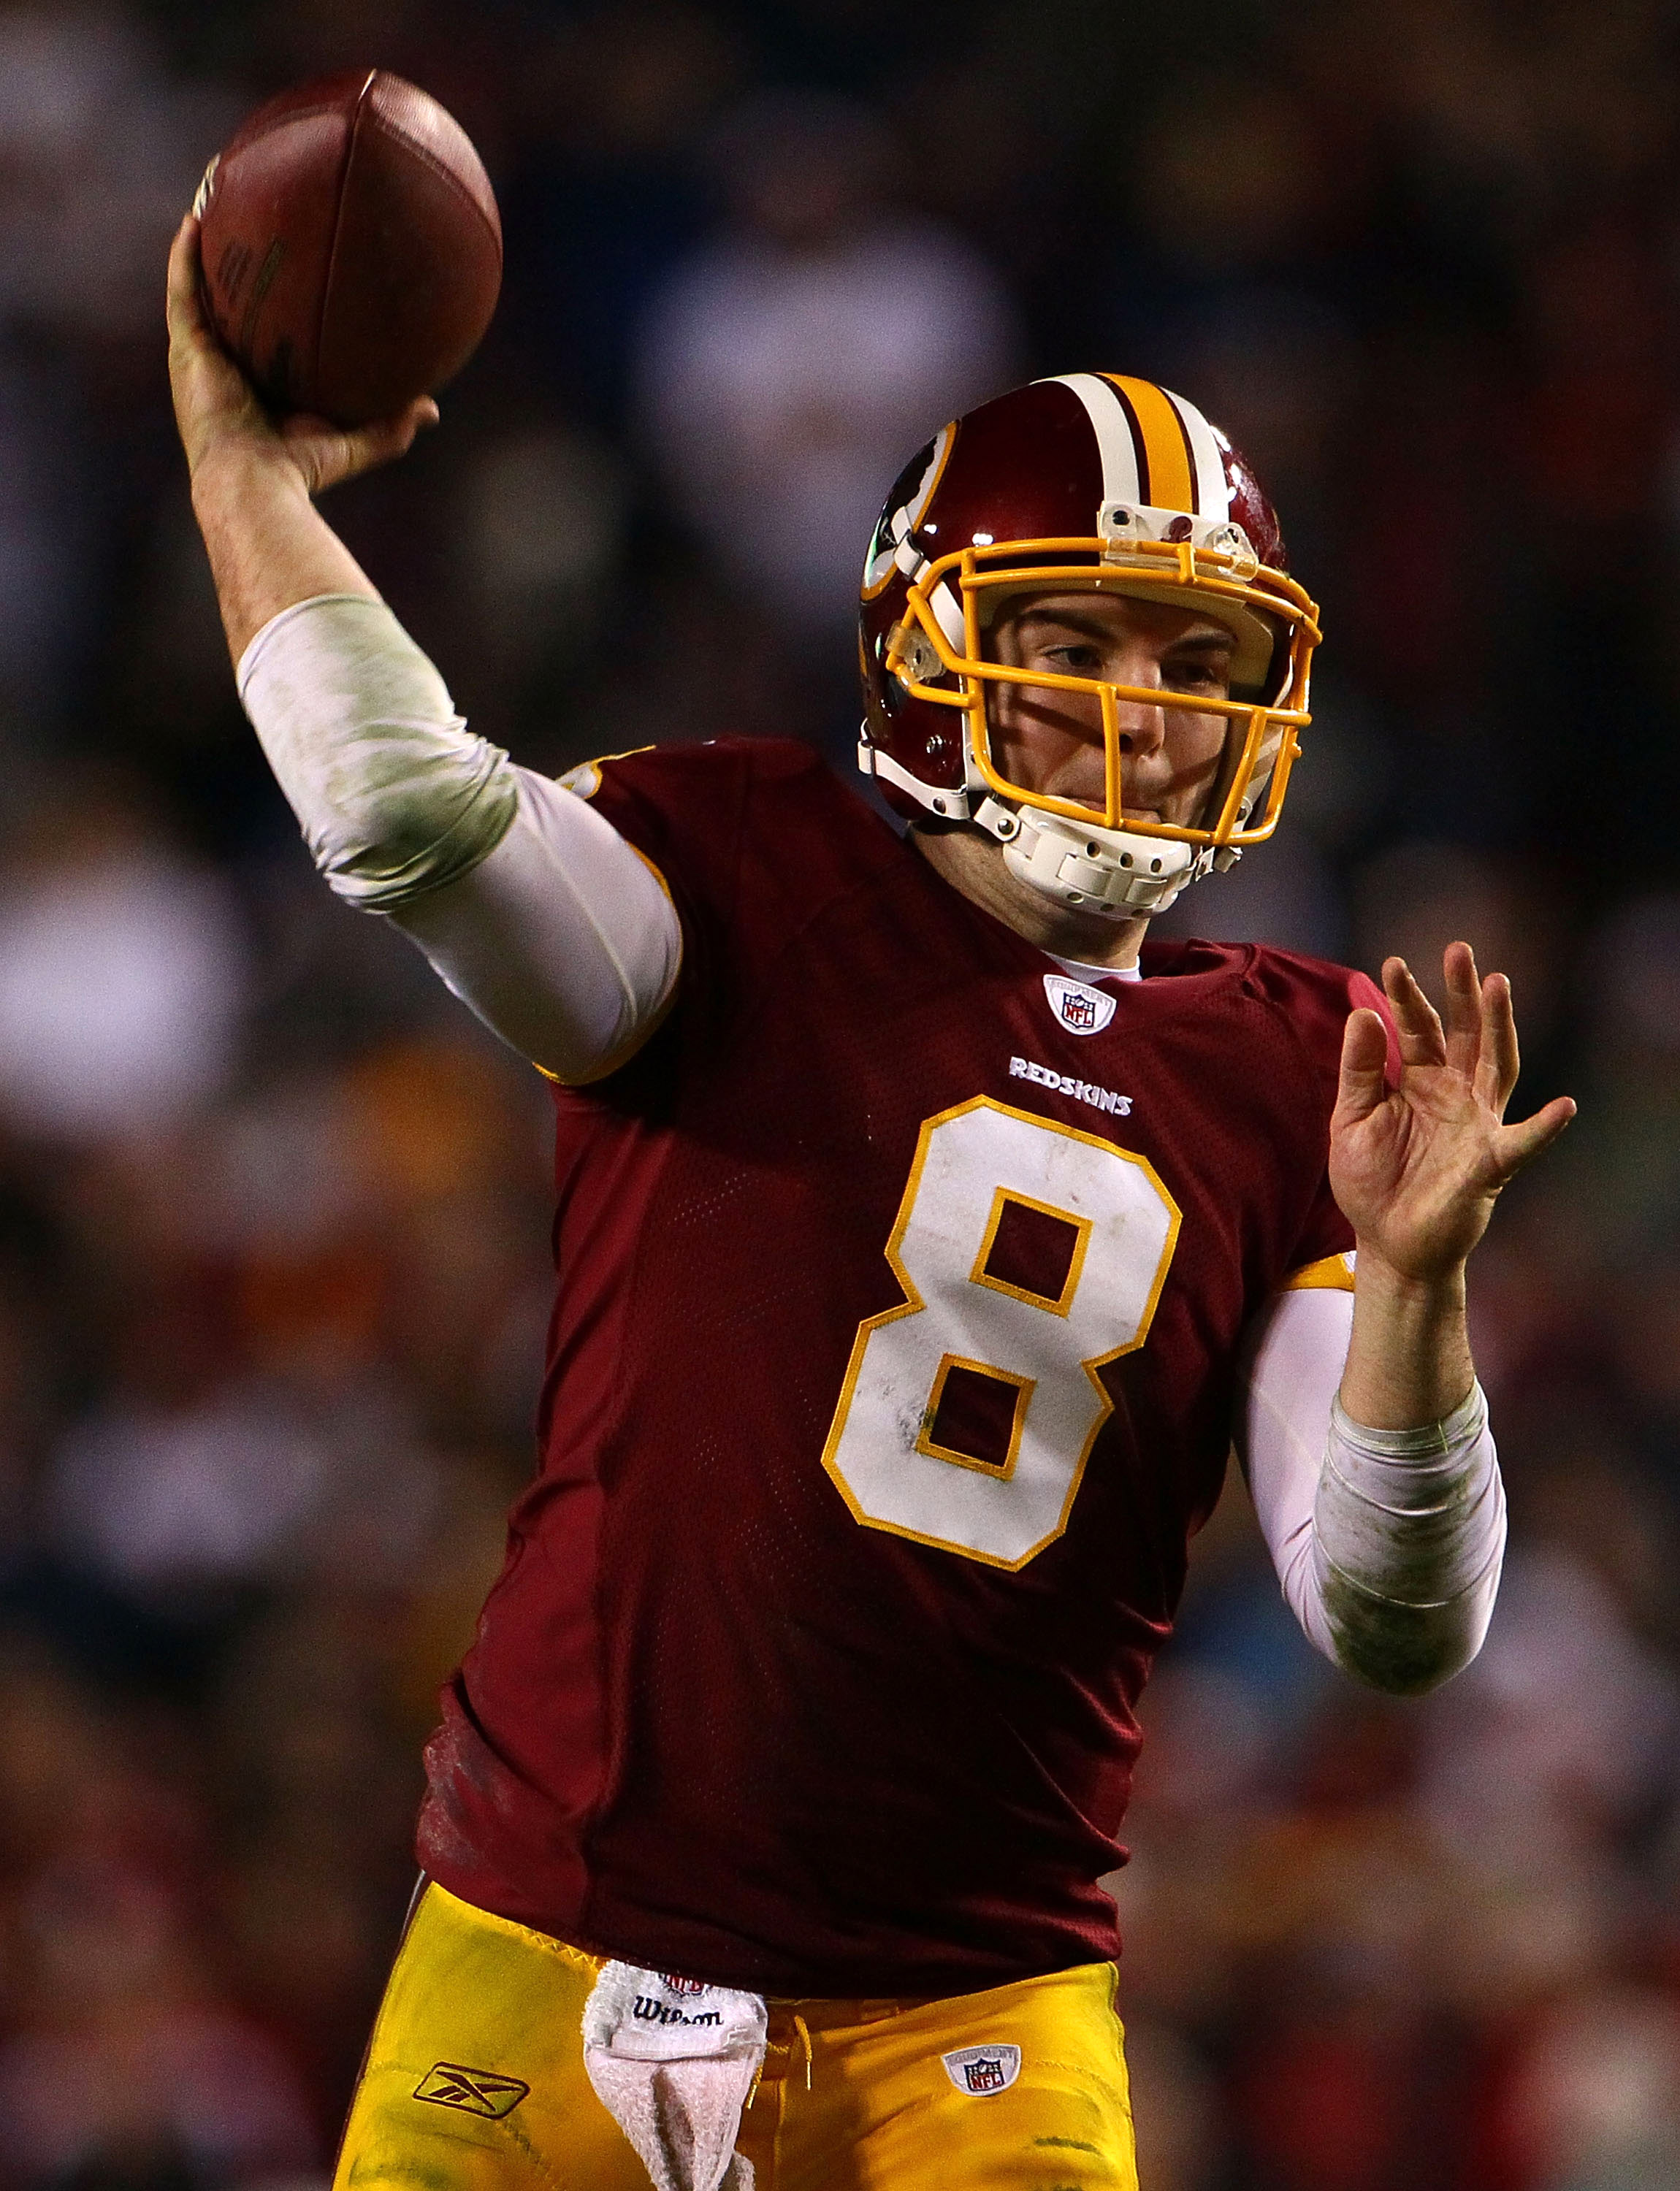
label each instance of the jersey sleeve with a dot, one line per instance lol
(682, 810)
(562, 940)
(1323, 1254)
(751, 838)
(690, 811)
(680, 806)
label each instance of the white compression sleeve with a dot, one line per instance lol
(392, 792)
(561, 938)
(534, 909)
(1388, 1544)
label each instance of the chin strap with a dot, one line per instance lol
(1114, 871)
(1118, 873)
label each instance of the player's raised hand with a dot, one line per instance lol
(1416, 1168)
(220, 414)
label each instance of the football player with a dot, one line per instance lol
(925, 1236)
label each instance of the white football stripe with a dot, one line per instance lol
(1111, 425)
(1213, 493)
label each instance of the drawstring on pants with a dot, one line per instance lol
(804, 2041)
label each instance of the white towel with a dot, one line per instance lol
(672, 2061)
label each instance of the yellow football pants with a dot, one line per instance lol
(475, 2080)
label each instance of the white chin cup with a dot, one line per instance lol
(1114, 871)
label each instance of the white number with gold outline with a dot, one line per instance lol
(970, 1161)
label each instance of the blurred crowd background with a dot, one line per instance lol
(273, 1252)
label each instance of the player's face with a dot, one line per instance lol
(1050, 741)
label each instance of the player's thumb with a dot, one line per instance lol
(327, 455)
(385, 438)
(1364, 1057)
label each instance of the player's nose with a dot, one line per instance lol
(1136, 669)
(1142, 727)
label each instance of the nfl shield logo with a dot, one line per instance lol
(1078, 1007)
(982, 2069)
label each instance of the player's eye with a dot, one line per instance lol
(1079, 658)
(1203, 674)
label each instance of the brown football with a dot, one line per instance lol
(351, 246)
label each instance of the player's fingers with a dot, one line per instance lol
(1497, 1068)
(1422, 1040)
(1364, 1054)
(211, 397)
(183, 303)
(1464, 1007)
(207, 382)
(179, 299)
(1517, 1145)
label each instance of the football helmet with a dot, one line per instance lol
(1087, 482)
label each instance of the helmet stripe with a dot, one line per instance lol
(1169, 459)
(1138, 442)
(1111, 423)
(1213, 489)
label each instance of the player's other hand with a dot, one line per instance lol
(1416, 1168)
(221, 418)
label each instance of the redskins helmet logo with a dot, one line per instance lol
(906, 506)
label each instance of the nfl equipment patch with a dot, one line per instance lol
(475, 2092)
(980, 2070)
(1079, 1008)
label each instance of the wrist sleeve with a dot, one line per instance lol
(1408, 1540)
(1388, 1545)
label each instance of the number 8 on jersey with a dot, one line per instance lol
(1030, 1254)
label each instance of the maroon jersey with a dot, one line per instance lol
(901, 1280)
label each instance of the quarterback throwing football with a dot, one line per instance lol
(926, 1238)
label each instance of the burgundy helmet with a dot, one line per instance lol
(1086, 481)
